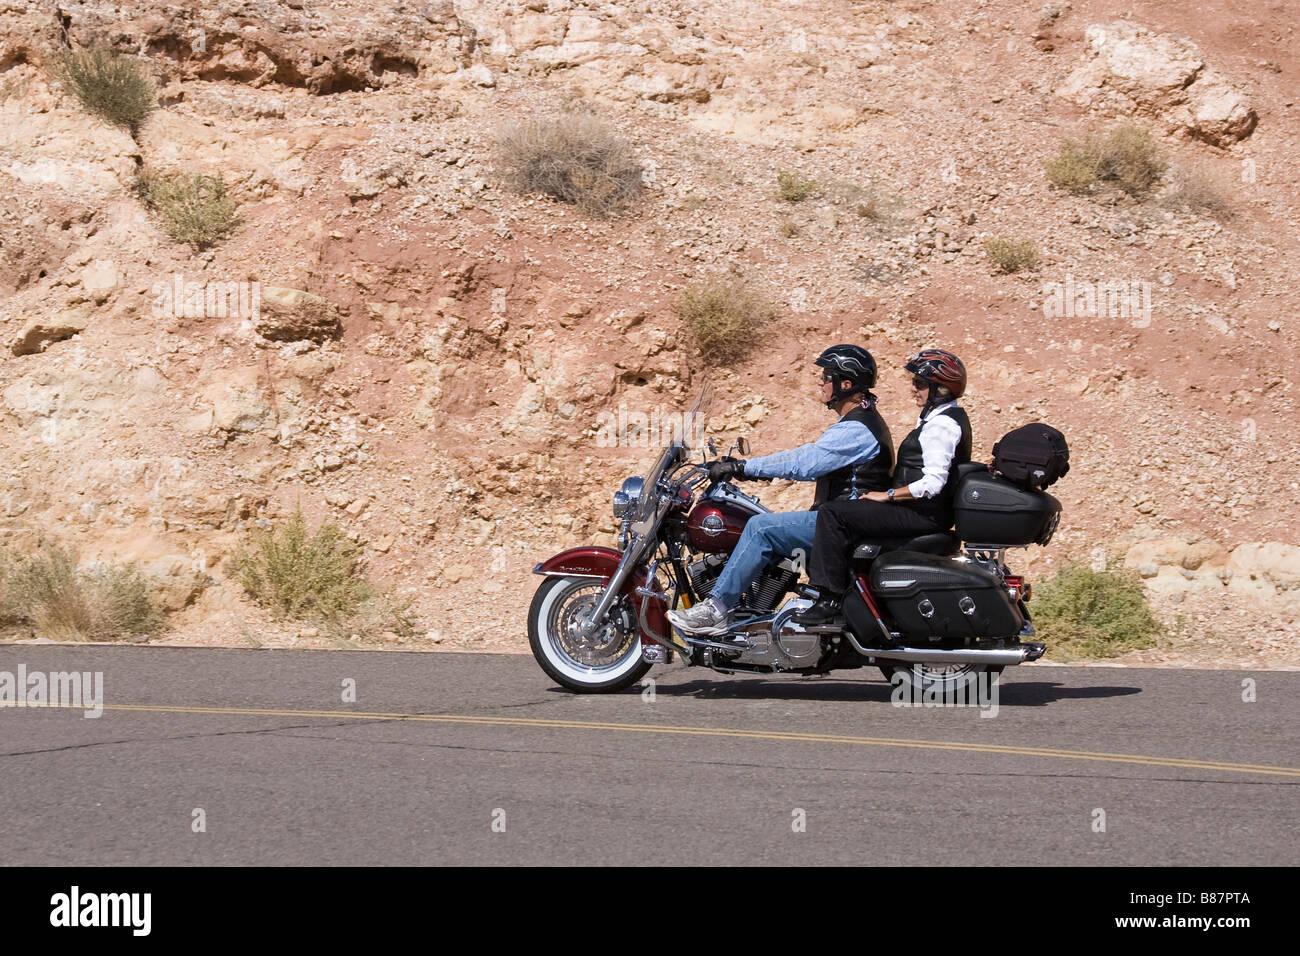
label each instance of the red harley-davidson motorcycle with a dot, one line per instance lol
(934, 611)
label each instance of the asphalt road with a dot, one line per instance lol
(466, 759)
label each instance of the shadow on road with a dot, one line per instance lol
(1017, 694)
(1037, 693)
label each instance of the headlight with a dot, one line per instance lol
(626, 498)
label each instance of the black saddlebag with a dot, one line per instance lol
(932, 597)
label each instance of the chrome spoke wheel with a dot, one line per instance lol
(606, 657)
(606, 644)
(941, 678)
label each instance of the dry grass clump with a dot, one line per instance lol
(876, 209)
(573, 157)
(114, 87)
(48, 593)
(870, 208)
(793, 187)
(195, 209)
(1191, 191)
(315, 577)
(724, 318)
(1010, 256)
(1126, 158)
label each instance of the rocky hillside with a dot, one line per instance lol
(433, 353)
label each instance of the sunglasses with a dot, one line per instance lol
(920, 383)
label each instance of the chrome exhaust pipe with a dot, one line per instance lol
(1000, 657)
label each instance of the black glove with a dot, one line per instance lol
(725, 468)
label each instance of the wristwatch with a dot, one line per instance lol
(891, 494)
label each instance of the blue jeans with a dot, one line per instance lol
(766, 538)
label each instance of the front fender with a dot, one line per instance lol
(598, 562)
(589, 562)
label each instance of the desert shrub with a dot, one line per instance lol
(108, 84)
(792, 187)
(572, 157)
(723, 317)
(1193, 192)
(1131, 160)
(1074, 167)
(1126, 157)
(298, 574)
(315, 576)
(789, 228)
(1081, 612)
(48, 593)
(1011, 256)
(191, 208)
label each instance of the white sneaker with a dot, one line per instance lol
(703, 618)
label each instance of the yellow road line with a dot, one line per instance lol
(538, 722)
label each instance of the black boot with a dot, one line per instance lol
(825, 611)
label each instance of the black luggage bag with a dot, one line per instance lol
(1032, 456)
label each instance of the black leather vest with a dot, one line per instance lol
(872, 475)
(911, 465)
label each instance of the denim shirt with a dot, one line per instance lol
(844, 443)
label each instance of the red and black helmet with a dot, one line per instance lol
(939, 368)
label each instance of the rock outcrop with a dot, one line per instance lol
(1132, 70)
(291, 315)
(38, 333)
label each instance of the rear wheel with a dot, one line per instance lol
(606, 660)
(943, 682)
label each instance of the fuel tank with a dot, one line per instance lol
(715, 526)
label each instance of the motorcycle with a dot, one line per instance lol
(938, 612)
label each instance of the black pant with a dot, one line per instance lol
(844, 524)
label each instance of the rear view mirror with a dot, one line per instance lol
(742, 446)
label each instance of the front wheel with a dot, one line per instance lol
(606, 660)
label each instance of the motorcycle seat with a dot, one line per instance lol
(943, 542)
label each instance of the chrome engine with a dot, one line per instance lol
(778, 642)
(772, 584)
(704, 573)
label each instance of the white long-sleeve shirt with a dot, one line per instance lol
(940, 436)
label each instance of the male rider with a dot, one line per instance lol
(852, 457)
(921, 499)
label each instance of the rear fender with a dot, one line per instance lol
(597, 562)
